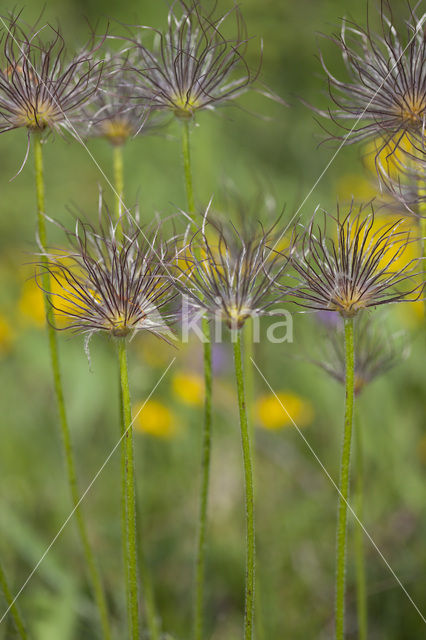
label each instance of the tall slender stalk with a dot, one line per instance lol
(124, 549)
(200, 560)
(248, 338)
(249, 492)
(152, 620)
(204, 490)
(361, 590)
(118, 178)
(119, 189)
(186, 152)
(19, 624)
(129, 471)
(148, 591)
(341, 538)
(248, 372)
(66, 436)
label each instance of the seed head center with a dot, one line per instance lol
(38, 116)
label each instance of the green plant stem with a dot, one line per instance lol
(204, 490)
(118, 171)
(152, 620)
(131, 569)
(187, 165)
(20, 627)
(249, 492)
(123, 494)
(248, 372)
(66, 436)
(200, 560)
(359, 536)
(341, 537)
(259, 621)
(118, 179)
(153, 623)
(248, 337)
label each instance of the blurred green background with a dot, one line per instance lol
(263, 148)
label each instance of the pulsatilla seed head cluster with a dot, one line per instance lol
(384, 96)
(41, 87)
(118, 113)
(355, 265)
(113, 279)
(192, 66)
(376, 352)
(230, 276)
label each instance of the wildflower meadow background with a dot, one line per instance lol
(269, 154)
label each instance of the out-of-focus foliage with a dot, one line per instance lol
(278, 157)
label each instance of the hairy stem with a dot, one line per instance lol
(361, 590)
(66, 436)
(118, 179)
(124, 548)
(129, 470)
(152, 620)
(248, 338)
(19, 625)
(249, 492)
(145, 576)
(206, 445)
(187, 165)
(341, 538)
(204, 490)
(248, 372)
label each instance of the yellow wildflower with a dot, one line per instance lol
(352, 184)
(31, 304)
(154, 419)
(272, 415)
(390, 158)
(188, 388)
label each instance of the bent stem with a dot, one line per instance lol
(19, 624)
(204, 490)
(341, 538)
(249, 492)
(130, 497)
(66, 436)
(359, 536)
